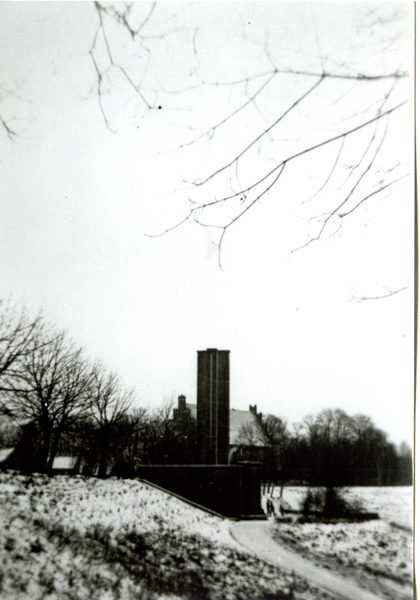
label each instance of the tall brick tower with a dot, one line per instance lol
(213, 406)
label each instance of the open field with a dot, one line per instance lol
(394, 504)
(81, 538)
(378, 553)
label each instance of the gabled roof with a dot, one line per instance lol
(5, 453)
(239, 419)
(64, 462)
(244, 419)
(193, 410)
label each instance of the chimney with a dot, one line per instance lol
(253, 410)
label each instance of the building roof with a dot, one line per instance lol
(239, 419)
(193, 410)
(5, 453)
(64, 462)
(244, 429)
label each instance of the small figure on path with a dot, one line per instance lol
(270, 507)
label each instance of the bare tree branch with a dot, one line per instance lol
(357, 297)
(245, 174)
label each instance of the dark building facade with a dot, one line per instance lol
(213, 405)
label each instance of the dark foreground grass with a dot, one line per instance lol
(76, 539)
(58, 563)
(188, 567)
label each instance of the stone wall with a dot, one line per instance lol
(232, 491)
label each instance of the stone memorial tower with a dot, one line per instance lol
(213, 406)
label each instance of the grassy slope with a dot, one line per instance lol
(82, 539)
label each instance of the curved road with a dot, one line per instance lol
(255, 536)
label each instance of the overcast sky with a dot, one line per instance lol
(78, 203)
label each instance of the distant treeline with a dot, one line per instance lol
(56, 401)
(336, 449)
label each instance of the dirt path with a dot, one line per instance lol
(255, 536)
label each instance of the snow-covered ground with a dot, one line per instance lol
(380, 548)
(83, 538)
(393, 504)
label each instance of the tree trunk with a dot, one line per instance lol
(43, 459)
(103, 454)
(56, 441)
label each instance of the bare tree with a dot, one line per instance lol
(270, 432)
(162, 433)
(74, 401)
(109, 407)
(19, 336)
(250, 434)
(50, 389)
(283, 101)
(132, 451)
(164, 440)
(362, 427)
(277, 435)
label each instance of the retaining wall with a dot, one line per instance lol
(232, 491)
